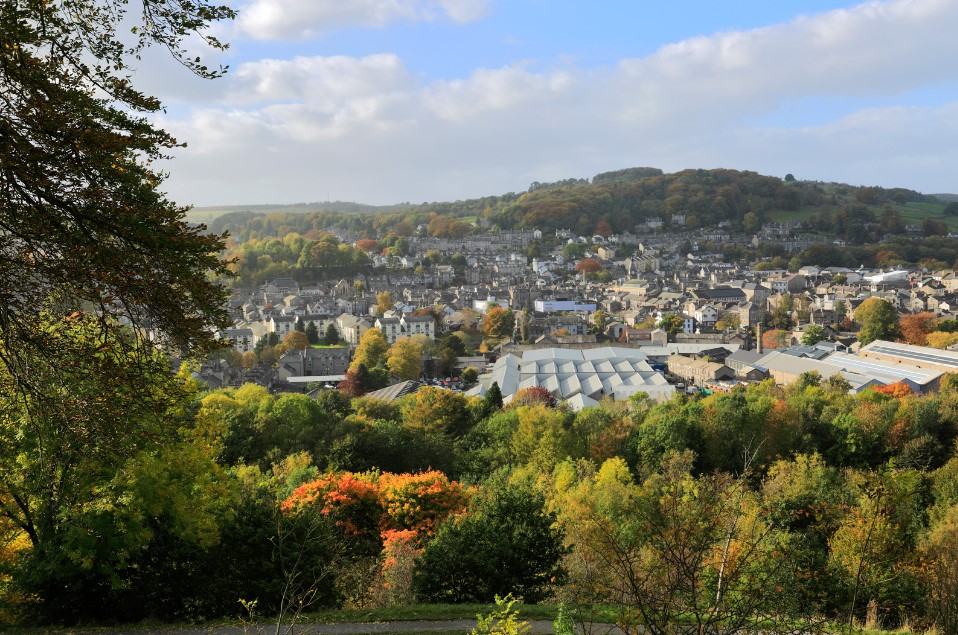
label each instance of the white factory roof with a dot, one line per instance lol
(566, 373)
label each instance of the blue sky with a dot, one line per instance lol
(383, 101)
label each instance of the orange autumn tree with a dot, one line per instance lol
(351, 500)
(419, 502)
(370, 503)
(775, 338)
(897, 390)
(368, 245)
(588, 265)
(390, 514)
(915, 328)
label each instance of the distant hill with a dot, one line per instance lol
(621, 200)
(207, 215)
(946, 198)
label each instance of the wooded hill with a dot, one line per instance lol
(625, 199)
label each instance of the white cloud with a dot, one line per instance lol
(367, 129)
(284, 19)
(318, 79)
(508, 88)
(873, 49)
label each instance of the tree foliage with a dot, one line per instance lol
(498, 323)
(82, 215)
(671, 323)
(916, 327)
(813, 334)
(371, 350)
(588, 265)
(404, 358)
(86, 457)
(506, 543)
(878, 319)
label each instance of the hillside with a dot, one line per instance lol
(623, 200)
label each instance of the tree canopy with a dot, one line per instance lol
(878, 319)
(81, 212)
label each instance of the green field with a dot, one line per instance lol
(206, 215)
(911, 213)
(781, 216)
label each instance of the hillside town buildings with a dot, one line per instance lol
(718, 304)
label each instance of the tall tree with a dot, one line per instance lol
(82, 214)
(670, 323)
(384, 302)
(681, 554)
(86, 228)
(437, 409)
(841, 311)
(498, 323)
(295, 341)
(813, 335)
(371, 351)
(331, 337)
(70, 458)
(588, 265)
(404, 358)
(599, 321)
(915, 328)
(878, 319)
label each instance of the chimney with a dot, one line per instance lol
(758, 338)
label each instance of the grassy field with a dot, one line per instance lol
(781, 216)
(911, 213)
(206, 215)
(917, 213)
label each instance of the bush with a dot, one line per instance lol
(506, 543)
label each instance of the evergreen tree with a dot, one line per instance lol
(494, 397)
(331, 338)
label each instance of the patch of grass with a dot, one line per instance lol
(328, 345)
(781, 216)
(429, 612)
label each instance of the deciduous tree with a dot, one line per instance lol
(371, 351)
(436, 409)
(671, 323)
(588, 265)
(82, 213)
(70, 459)
(680, 553)
(505, 543)
(295, 341)
(498, 323)
(916, 327)
(600, 320)
(878, 319)
(384, 302)
(941, 340)
(775, 338)
(404, 359)
(813, 335)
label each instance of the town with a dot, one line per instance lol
(593, 317)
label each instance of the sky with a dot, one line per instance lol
(391, 101)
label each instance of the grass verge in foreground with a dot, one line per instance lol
(428, 612)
